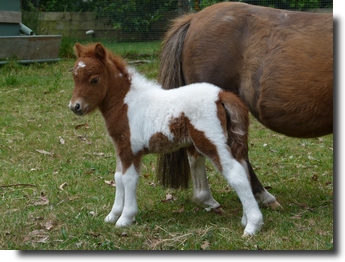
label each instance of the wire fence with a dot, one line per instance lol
(132, 20)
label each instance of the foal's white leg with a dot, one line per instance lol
(117, 208)
(236, 176)
(201, 194)
(130, 208)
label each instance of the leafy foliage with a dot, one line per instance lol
(127, 15)
(282, 4)
(133, 15)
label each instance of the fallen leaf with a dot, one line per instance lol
(298, 216)
(43, 239)
(168, 197)
(98, 153)
(48, 225)
(38, 236)
(82, 138)
(44, 201)
(110, 182)
(205, 245)
(62, 141)
(82, 125)
(44, 152)
(62, 186)
(179, 211)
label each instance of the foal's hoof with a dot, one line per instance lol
(124, 221)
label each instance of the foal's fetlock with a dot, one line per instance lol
(244, 221)
(252, 225)
(251, 229)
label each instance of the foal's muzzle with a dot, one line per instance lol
(76, 108)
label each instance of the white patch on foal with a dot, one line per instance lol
(81, 64)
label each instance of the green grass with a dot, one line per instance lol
(129, 50)
(54, 193)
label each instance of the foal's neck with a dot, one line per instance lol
(112, 106)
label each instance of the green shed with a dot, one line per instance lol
(17, 41)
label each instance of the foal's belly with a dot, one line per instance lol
(160, 143)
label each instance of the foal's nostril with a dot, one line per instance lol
(77, 107)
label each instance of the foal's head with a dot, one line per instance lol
(95, 72)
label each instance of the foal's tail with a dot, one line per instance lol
(237, 124)
(173, 169)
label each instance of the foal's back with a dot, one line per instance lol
(152, 110)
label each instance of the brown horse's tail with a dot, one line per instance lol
(237, 124)
(173, 169)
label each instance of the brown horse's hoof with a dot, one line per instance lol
(218, 210)
(275, 205)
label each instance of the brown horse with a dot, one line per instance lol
(279, 62)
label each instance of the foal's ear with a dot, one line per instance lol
(78, 49)
(100, 52)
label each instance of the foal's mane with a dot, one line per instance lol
(98, 51)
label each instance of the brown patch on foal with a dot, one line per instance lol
(160, 143)
(178, 127)
(204, 145)
(118, 129)
(185, 134)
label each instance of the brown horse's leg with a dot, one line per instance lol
(258, 190)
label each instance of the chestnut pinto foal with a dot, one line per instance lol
(143, 118)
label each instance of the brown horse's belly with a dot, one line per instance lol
(297, 111)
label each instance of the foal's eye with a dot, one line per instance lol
(94, 80)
